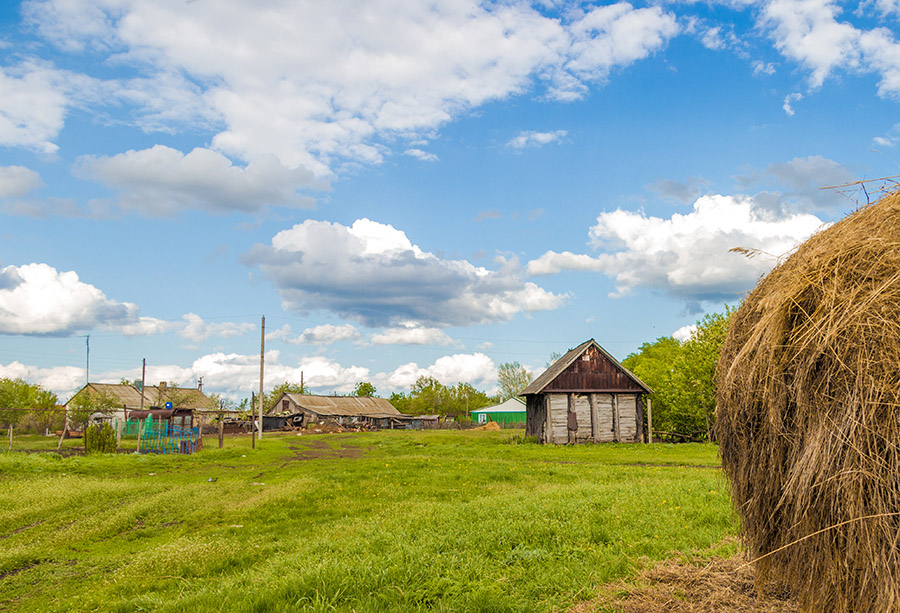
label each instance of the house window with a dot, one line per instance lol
(285, 405)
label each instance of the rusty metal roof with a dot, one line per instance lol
(342, 406)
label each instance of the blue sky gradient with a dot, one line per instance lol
(412, 188)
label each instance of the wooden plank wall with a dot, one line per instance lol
(596, 415)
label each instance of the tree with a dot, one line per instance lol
(682, 376)
(429, 396)
(271, 397)
(86, 403)
(652, 364)
(553, 358)
(693, 379)
(512, 378)
(17, 394)
(364, 388)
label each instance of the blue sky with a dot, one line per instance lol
(409, 188)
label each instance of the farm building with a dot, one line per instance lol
(299, 410)
(512, 411)
(128, 398)
(586, 396)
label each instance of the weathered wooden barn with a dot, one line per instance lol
(303, 409)
(586, 396)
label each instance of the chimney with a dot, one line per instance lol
(163, 387)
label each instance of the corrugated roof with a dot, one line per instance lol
(511, 405)
(344, 406)
(556, 369)
(130, 397)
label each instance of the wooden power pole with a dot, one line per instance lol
(262, 356)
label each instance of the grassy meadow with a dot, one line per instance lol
(364, 522)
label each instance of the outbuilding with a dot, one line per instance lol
(586, 396)
(304, 409)
(511, 412)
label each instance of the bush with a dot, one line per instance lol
(99, 439)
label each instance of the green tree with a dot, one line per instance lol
(86, 403)
(364, 388)
(692, 386)
(652, 364)
(553, 358)
(18, 394)
(512, 379)
(272, 396)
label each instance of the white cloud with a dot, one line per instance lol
(412, 335)
(419, 154)
(810, 33)
(799, 183)
(371, 272)
(687, 255)
(163, 181)
(536, 139)
(475, 368)
(327, 334)
(391, 69)
(763, 68)
(236, 374)
(32, 107)
(62, 380)
(789, 101)
(684, 333)
(18, 181)
(36, 299)
(197, 330)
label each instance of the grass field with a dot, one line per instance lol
(387, 521)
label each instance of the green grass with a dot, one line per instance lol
(437, 521)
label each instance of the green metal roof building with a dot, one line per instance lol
(510, 412)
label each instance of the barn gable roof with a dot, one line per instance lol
(342, 406)
(559, 366)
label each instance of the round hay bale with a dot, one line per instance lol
(808, 416)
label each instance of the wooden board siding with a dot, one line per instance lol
(593, 372)
(628, 419)
(558, 432)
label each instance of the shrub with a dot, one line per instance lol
(99, 439)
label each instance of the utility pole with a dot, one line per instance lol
(143, 379)
(87, 367)
(262, 355)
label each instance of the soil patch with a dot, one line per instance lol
(321, 450)
(718, 586)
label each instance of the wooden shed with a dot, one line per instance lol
(304, 409)
(586, 396)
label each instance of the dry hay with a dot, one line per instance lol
(809, 415)
(491, 425)
(718, 585)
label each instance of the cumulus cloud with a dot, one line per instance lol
(36, 299)
(412, 335)
(684, 333)
(163, 181)
(18, 181)
(371, 272)
(32, 107)
(528, 139)
(811, 33)
(789, 101)
(389, 70)
(685, 192)
(327, 334)
(475, 368)
(687, 256)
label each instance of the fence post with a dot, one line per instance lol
(10, 437)
(140, 431)
(118, 433)
(221, 429)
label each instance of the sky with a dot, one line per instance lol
(409, 188)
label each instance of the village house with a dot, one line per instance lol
(586, 396)
(128, 400)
